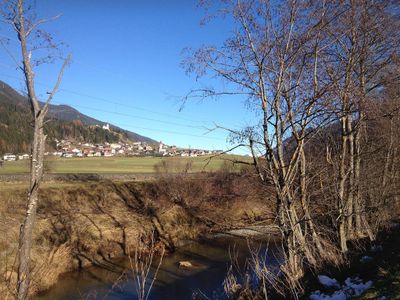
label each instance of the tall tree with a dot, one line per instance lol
(22, 20)
(273, 59)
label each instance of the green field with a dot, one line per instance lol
(121, 165)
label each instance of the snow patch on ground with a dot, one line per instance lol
(366, 259)
(328, 282)
(355, 287)
(352, 287)
(376, 248)
(338, 295)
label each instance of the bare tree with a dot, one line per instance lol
(273, 60)
(26, 27)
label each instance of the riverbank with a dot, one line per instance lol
(93, 222)
(372, 272)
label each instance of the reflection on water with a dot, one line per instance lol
(211, 260)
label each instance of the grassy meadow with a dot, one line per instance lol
(122, 165)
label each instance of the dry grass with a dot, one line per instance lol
(80, 224)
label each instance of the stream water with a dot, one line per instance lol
(211, 260)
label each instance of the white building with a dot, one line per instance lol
(161, 148)
(23, 156)
(106, 127)
(9, 157)
(115, 146)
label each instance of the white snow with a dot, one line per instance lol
(366, 259)
(376, 248)
(328, 282)
(355, 287)
(352, 287)
(338, 295)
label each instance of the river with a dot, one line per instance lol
(211, 259)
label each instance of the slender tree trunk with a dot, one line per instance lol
(388, 160)
(342, 186)
(357, 190)
(350, 176)
(304, 204)
(25, 239)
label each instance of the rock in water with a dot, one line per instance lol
(185, 264)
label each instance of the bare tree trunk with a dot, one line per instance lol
(388, 160)
(342, 185)
(361, 223)
(362, 226)
(25, 239)
(350, 176)
(304, 204)
(357, 190)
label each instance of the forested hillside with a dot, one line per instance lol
(64, 123)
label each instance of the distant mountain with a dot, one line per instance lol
(67, 122)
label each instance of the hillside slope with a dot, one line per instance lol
(66, 123)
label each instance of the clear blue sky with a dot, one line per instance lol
(126, 67)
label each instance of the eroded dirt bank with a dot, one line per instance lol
(83, 223)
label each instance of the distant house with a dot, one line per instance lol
(108, 154)
(9, 157)
(23, 156)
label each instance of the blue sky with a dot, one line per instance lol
(126, 68)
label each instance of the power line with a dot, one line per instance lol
(110, 101)
(127, 105)
(145, 118)
(167, 131)
(132, 116)
(101, 98)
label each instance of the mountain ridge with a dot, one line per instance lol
(67, 113)
(66, 123)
